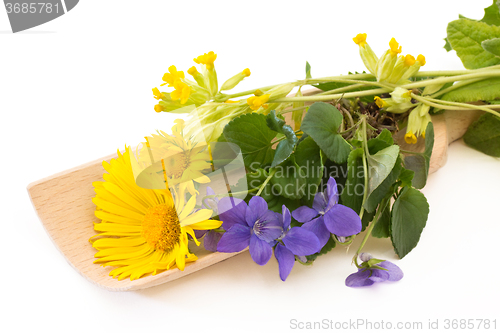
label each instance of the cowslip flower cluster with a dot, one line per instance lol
(373, 270)
(390, 67)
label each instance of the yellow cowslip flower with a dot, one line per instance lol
(182, 92)
(401, 95)
(417, 123)
(206, 59)
(381, 103)
(369, 57)
(412, 70)
(233, 81)
(421, 60)
(401, 67)
(199, 78)
(256, 102)
(157, 94)
(173, 76)
(386, 63)
(399, 102)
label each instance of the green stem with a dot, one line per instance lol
(423, 83)
(317, 98)
(294, 109)
(452, 105)
(339, 90)
(455, 86)
(365, 166)
(266, 181)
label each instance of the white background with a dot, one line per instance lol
(79, 87)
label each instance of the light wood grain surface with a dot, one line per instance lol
(63, 204)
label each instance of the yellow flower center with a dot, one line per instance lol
(161, 227)
(421, 60)
(176, 164)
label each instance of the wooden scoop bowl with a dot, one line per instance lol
(63, 204)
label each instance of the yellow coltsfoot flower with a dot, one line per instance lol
(233, 81)
(182, 91)
(172, 76)
(369, 57)
(256, 102)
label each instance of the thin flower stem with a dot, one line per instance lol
(339, 90)
(294, 109)
(266, 181)
(452, 105)
(365, 166)
(354, 126)
(455, 86)
(423, 83)
(317, 98)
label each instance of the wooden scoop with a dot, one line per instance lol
(63, 204)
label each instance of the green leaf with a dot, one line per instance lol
(484, 90)
(308, 71)
(406, 177)
(409, 216)
(466, 36)
(419, 164)
(289, 180)
(327, 248)
(492, 14)
(308, 158)
(285, 147)
(492, 46)
(484, 135)
(386, 136)
(382, 227)
(385, 188)
(352, 194)
(321, 123)
(447, 45)
(251, 134)
(380, 166)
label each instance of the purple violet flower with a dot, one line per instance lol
(295, 241)
(253, 225)
(373, 270)
(333, 217)
(211, 237)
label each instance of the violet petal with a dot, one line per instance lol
(379, 275)
(359, 279)
(342, 221)
(395, 273)
(211, 240)
(287, 217)
(317, 226)
(332, 193)
(319, 202)
(236, 239)
(232, 211)
(286, 260)
(301, 242)
(304, 214)
(257, 207)
(260, 251)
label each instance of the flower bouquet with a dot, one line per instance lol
(286, 176)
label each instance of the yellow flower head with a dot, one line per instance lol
(231, 102)
(193, 71)
(256, 102)
(172, 76)
(158, 108)
(360, 39)
(421, 60)
(395, 47)
(410, 138)
(157, 94)
(143, 231)
(409, 60)
(206, 59)
(182, 92)
(246, 72)
(418, 120)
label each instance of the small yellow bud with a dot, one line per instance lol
(409, 60)
(193, 71)
(360, 39)
(410, 138)
(395, 48)
(246, 72)
(158, 108)
(421, 60)
(258, 92)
